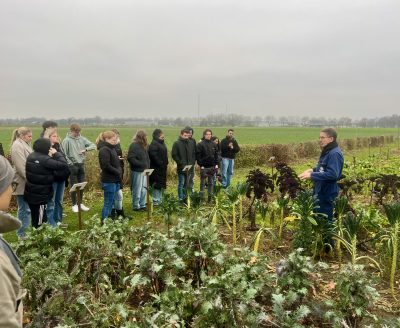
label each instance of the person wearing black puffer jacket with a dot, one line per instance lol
(110, 170)
(207, 159)
(138, 158)
(41, 166)
(158, 154)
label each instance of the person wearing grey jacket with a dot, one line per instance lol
(11, 293)
(75, 147)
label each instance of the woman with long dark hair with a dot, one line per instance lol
(138, 158)
(158, 154)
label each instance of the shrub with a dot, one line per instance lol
(355, 295)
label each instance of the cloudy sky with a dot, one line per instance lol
(124, 58)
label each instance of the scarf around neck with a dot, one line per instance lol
(329, 147)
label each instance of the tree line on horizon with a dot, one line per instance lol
(231, 120)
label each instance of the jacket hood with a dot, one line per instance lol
(42, 145)
(69, 135)
(102, 144)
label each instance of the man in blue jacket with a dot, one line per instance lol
(327, 172)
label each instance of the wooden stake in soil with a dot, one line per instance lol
(147, 173)
(186, 170)
(78, 187)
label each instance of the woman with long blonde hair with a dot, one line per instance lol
(54, 207)
(20, 149)
(138, 158)
(110, 170)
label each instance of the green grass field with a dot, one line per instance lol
(244, 135)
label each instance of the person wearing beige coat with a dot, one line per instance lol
(20, 151)
(11, 293)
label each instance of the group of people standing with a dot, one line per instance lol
(211, 155)
(42, 172)
(44, 169)
(208, 153)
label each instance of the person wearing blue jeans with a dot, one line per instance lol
(184, 184)
(54, 208)
(20, 150)
(24, 215)
(110, 190)
(110, 170)
(139, 190)
(227, 171)
(138, 158)
(229, 149)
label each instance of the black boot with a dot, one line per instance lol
(122, 213)
(113, 214)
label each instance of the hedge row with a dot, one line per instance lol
(254, 155)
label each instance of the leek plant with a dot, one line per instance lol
(351, 228)
(233, 196)
(303, 210)
(282, 204)
(220, 208)
(168, 206)
(263, 210)
(241, 190)
(392, 212)
(341, 205)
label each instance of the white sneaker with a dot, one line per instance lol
(75, 208)
(84, 208)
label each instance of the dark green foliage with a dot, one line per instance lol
(118, 276)
(385, 185)
(291, 301)
(169, 206)
(355, 296)
(259, 186)
(303, 209)
(313, 231)
(287, 181)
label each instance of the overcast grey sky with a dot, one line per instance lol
(123, 58)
